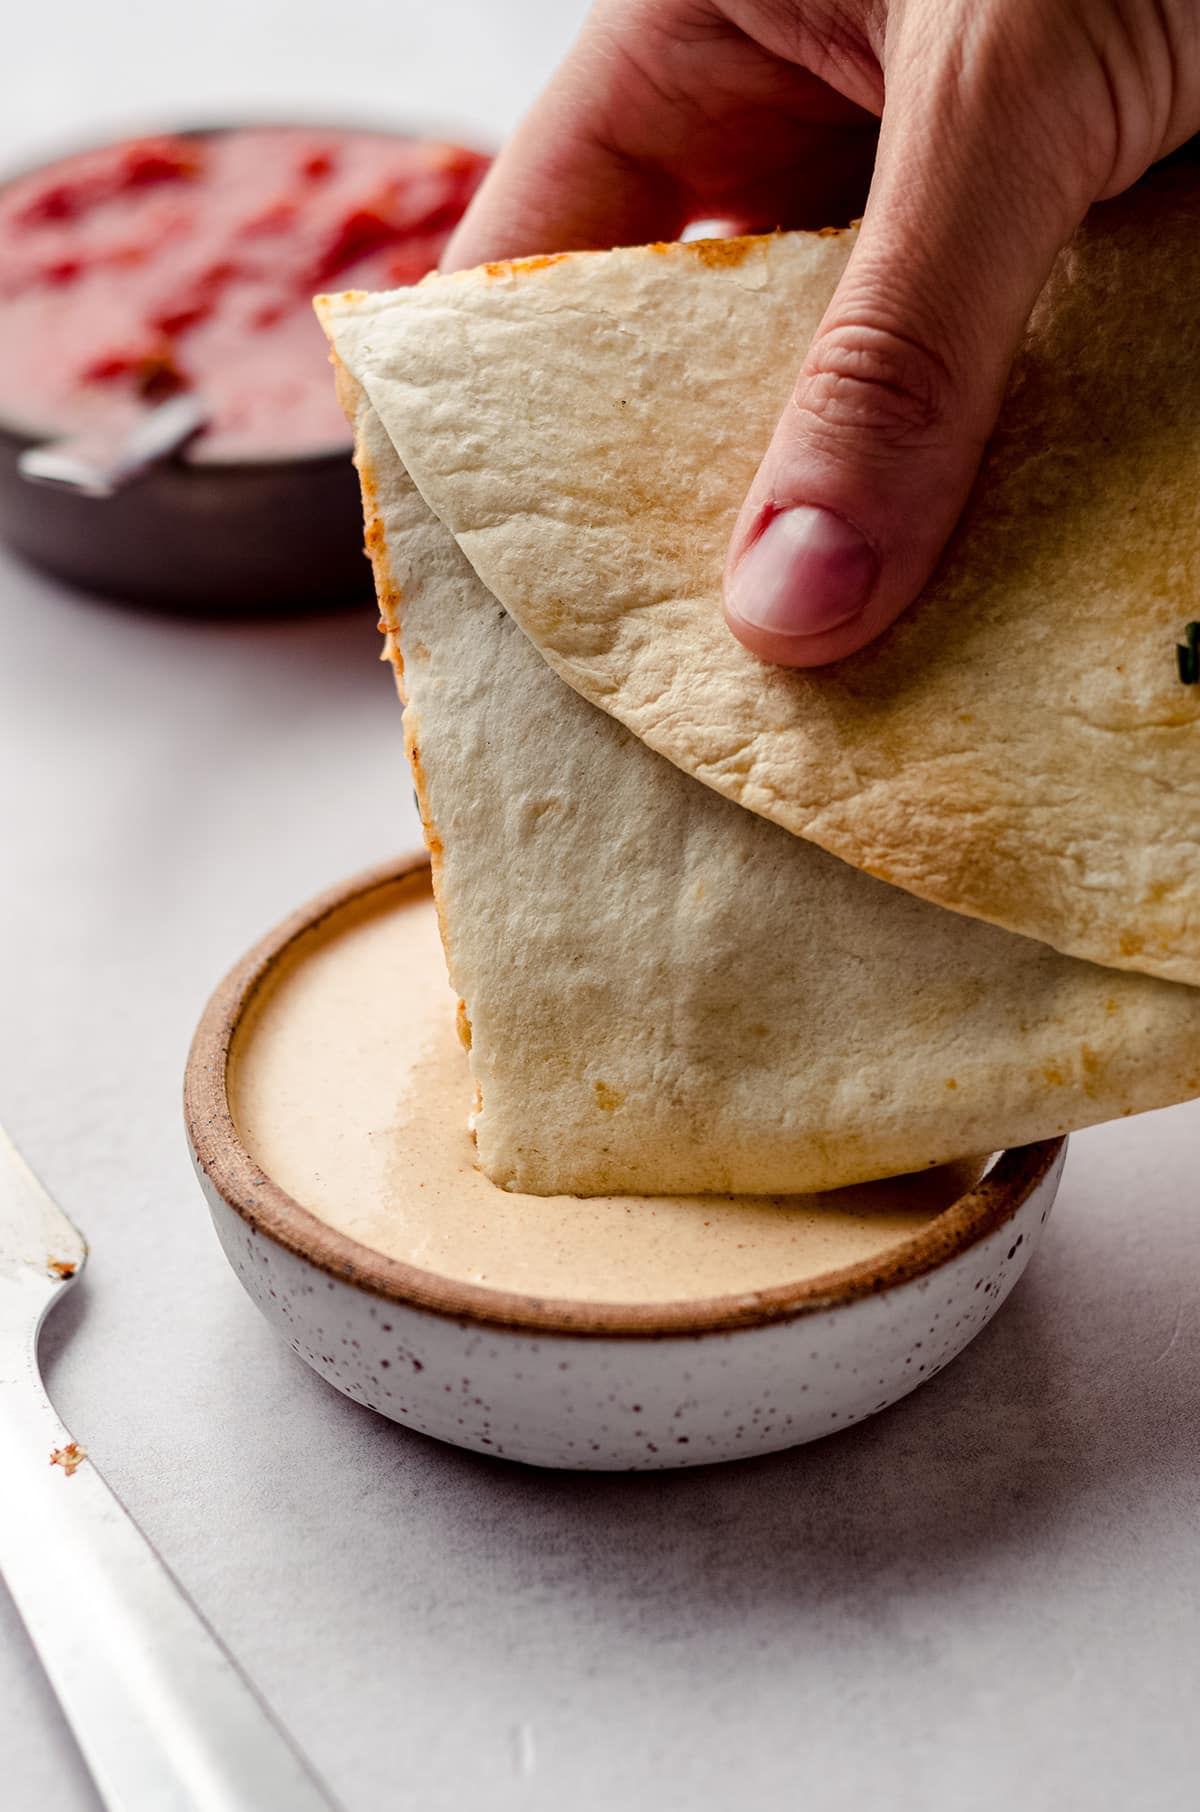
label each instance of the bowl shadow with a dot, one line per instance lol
(996, 1455)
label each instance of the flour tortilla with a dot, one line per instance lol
(1019, 747)
(665, 993)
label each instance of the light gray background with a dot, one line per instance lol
(988, 1597)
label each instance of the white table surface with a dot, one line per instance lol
(988, 1597)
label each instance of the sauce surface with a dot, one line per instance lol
(350, 1088)
(189, 263)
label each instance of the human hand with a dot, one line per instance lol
(999, 123)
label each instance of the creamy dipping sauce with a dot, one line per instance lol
(350, 1088)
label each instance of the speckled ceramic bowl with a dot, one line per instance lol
(600, 1385)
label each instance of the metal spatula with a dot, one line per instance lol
(100, 465)
(165, 1719)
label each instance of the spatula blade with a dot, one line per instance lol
(35, 1235)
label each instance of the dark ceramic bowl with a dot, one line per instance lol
(267, 535)
(205, 537)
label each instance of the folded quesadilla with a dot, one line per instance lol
(669, 983)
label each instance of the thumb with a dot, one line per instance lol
(873, 458)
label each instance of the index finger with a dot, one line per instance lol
(560, 184)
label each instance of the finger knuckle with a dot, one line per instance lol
(878, 385)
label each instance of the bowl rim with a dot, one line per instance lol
(29, 434)
(227, 1167)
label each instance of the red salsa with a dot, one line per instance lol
(190, 263)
